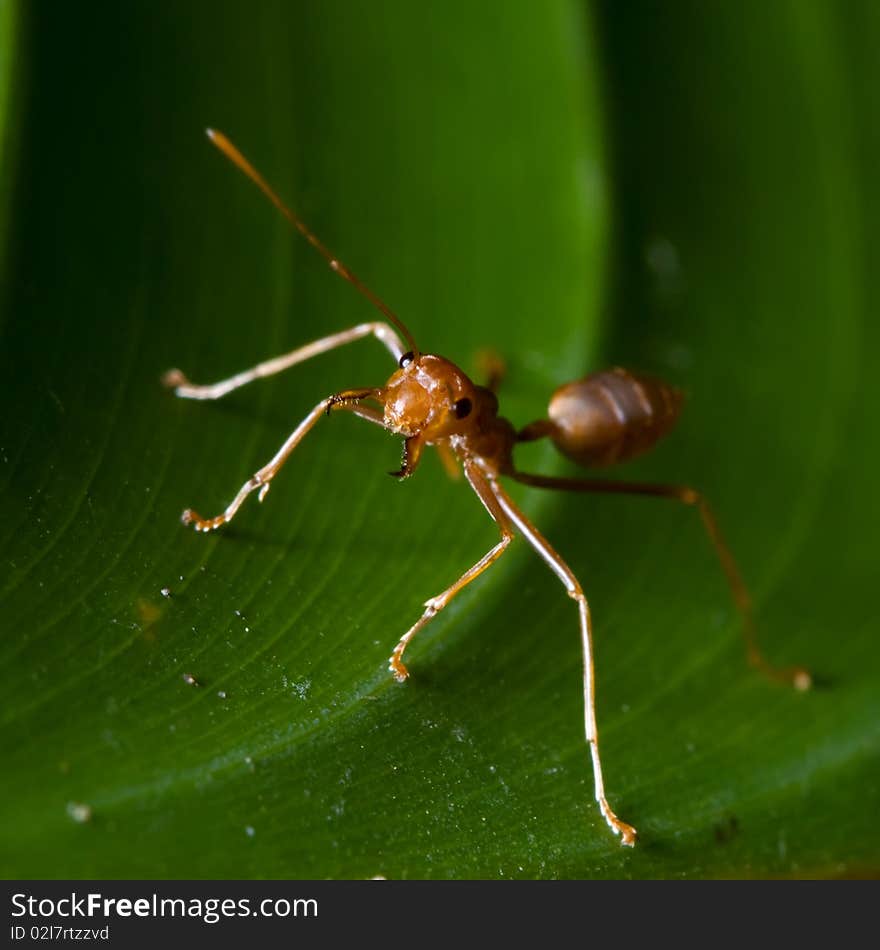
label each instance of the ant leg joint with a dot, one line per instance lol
(261, 480)
(690, 496)
(345, 399)
(338, 399)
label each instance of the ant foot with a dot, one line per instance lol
(174, 378)
(796, 676)
(398, 670)
(189, 516)
(801, 679)
(628, 834)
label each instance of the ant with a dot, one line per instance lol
(607, 417)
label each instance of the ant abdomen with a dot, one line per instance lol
(608, 417)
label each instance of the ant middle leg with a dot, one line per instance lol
(796, 676)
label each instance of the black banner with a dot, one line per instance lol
(319, 913)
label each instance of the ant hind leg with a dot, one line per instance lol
(796, 676)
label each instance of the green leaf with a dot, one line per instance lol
(476, 166)
(10, 81)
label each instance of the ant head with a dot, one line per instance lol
(429, 396)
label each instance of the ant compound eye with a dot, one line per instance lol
(462, 408)
(406, 359)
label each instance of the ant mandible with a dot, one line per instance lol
(605, 418)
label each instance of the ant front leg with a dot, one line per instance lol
(176, 380)
(481, 486)
(262, 478)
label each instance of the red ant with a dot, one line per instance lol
(605, 418)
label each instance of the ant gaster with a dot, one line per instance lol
(605, 418)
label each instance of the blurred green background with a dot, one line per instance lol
(688, 189)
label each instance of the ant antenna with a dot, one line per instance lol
(234, 156)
